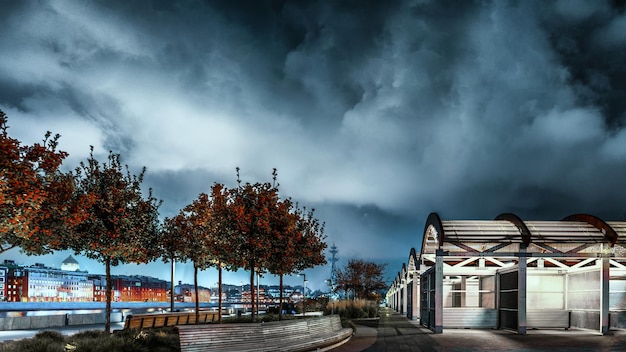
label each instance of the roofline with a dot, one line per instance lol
(606, 229)
(434, 220)
(519, 223)
(413, 254)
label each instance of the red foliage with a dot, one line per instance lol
(38, 207)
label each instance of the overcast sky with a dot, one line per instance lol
(375, 113)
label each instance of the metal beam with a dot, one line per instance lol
(583, 263)
(580, 248)
(547, 247)
(463, 246)
(498, 247)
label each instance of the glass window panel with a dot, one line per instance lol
(584, 281)
(617, 300)
(545, 300)
(584, 300)
(545, 283)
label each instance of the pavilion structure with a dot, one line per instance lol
(508, 273)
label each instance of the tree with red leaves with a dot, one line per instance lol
(363, 278)
(252, 232)
(297, 242)
(121, 225)
(37, 203)
(274, 234)
(199, 233)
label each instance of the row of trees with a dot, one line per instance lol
(247, 227)
(99, 210)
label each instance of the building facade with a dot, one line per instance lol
(508, 273)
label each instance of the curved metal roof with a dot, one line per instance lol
(507, 228)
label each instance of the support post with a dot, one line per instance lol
(416, 296)
(404, 297)
(604, 291)
(521, 292)
(439, 292)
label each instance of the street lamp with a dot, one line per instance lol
(303, 294)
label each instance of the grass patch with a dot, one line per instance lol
(353, 309)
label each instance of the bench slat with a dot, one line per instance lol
(142, 321)
(299, 335)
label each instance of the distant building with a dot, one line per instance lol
(3, 280)
(70, 264)
(13, 282)
(43, 284)
(187, 293)
(39, 283)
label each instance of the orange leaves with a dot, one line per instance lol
(33, 193)
(115, 222)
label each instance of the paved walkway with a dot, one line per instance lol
(394, 332)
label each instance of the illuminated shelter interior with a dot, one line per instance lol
(512, 274)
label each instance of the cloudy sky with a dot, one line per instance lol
(375, 113)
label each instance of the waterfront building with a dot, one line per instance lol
(3, 279)
(516, 274)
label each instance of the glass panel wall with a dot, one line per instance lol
(469, 291)
(545, 291)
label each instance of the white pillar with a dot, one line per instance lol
(416, 296)
(404, 296)
(521, 293)
(439, 292)
(604, 291)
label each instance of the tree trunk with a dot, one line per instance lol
(172, 287)
(252, 292)
(280, 299)
(219, 292)
(195, 287)
(107, 324)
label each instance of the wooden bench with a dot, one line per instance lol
(287, 335)
(144, 321)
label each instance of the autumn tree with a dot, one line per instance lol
(189, 228)
(252, 233)
(285, 237)
(171, 246)
(121, 225)
(363, 278)
(220, 230)
(37, 204)
(199, 233)
(297, 242)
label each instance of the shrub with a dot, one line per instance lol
(154, 340)
(353, 309)
(34, 345)
(89, 334)
(50, 335)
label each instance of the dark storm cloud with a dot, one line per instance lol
(393, 108)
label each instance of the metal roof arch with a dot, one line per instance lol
(413, 258)
(609, 233)
(519, 223)
(433, 221)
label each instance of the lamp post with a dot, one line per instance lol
(258, 288)
(303, 294)
(172, 287)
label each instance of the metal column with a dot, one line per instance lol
(604, 290)
(438, 292)
(521, 293)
